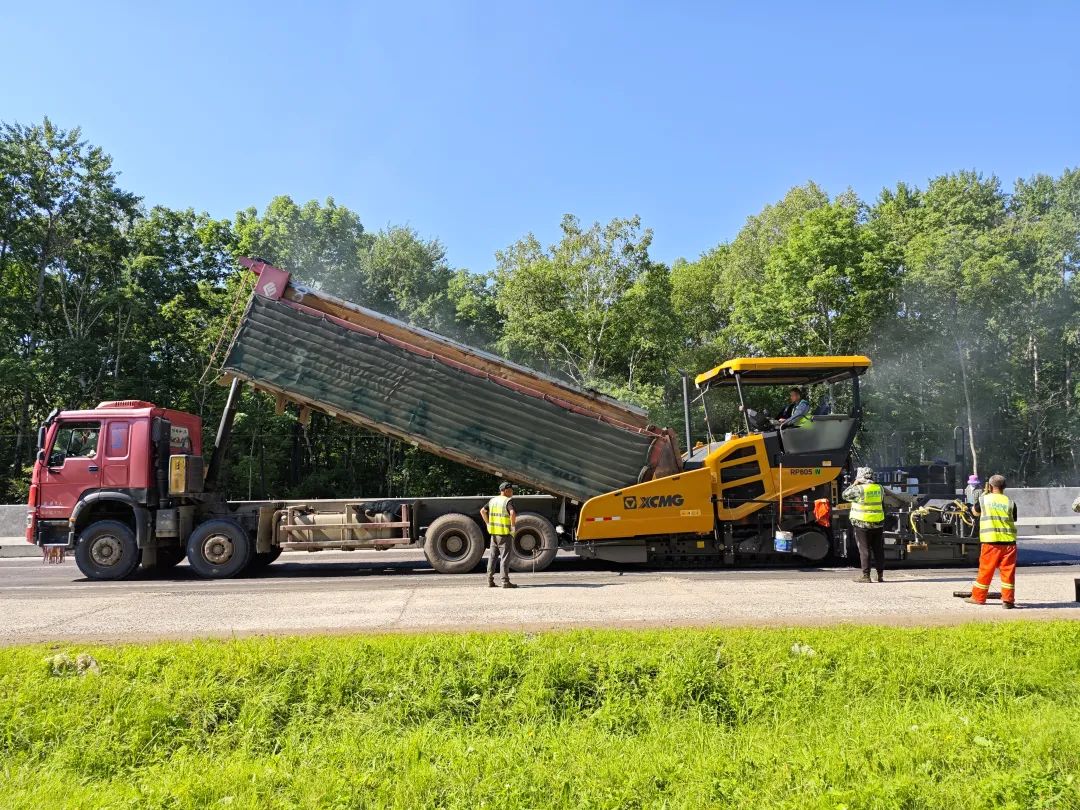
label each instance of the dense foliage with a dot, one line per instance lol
(965, 294)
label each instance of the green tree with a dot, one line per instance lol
(320, 243)
(592, 307)
(62, 247)
(822, 288)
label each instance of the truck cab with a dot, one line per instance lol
(106, 468)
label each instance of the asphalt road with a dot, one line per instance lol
(398, 592)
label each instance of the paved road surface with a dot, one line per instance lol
(398, 592)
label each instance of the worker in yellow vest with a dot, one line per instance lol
(500, 517)
(997, 539)
(868, 520)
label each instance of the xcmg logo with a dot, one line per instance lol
(651, 501)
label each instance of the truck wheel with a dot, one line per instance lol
(107, 550)
(535, 543)
(218, 549)
(261, 559)
(454, 544)
(167, 559)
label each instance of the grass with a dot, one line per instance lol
(963, 717)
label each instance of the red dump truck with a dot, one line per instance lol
(125, 484)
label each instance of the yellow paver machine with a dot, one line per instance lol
(737, 491)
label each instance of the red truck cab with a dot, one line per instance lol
(105, 464)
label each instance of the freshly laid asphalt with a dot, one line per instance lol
(397, 591)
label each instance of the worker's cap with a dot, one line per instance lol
(974, 479)
(505, 485)
(864, 474)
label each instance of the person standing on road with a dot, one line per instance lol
(500, 517)
(868, 519)
(997, 540)
(973, 490)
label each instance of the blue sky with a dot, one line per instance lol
(478, 123)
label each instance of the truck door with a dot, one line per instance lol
(116, 464)
(72, 466)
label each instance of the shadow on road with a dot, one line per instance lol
(567, 584)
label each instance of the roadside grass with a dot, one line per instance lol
(959, 717)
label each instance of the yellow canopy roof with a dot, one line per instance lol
(784, 370)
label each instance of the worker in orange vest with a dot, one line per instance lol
(997, 537)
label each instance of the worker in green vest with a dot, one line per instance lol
(797, 411)
(997, 544)
(868, 520)
(500, 517)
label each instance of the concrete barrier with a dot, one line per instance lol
(12, 532)
(1033, 503)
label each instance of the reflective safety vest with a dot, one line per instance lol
(498, 515)
(871, 508)
(996, 519)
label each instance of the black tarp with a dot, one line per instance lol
(444, 409)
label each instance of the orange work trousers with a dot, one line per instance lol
(994, 557)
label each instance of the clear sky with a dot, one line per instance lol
(478, 123)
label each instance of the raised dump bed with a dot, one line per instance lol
(473, 407)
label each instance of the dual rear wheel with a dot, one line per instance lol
(454, 543)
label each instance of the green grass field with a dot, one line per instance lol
(961, 717)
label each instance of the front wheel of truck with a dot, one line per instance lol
(107, 550)
(454, 544)
(218, 549)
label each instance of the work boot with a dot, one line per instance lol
(509, 584)
(1008, 605)
(880, 576)
(863, 578)
(491, 583)
(971, 601)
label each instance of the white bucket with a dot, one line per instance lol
(784, 542)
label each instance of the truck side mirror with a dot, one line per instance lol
(41, 437)
(41, 455)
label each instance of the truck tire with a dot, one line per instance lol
(107, 550)
(218, 549)
(535, 543)
(167, 559)
(454, 544)
(261, 559)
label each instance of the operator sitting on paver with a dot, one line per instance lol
(500, 517)
(796, 413)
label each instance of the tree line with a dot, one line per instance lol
(964, 293)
